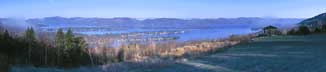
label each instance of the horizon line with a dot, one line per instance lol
(151, 17)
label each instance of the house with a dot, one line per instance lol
(271, 31)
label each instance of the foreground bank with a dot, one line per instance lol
(264, 54)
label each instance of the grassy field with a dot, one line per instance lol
(265, 54)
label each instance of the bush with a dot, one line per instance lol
(323, 28)
(303, 30)
(317, 30)
(292, 32)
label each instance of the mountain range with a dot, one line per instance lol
(157, 23)
(164, 22)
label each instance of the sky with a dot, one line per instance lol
(162, 8)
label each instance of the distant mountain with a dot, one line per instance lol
(14, 25)
(157, 23)
(315, 21)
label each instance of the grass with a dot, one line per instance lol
(264, 54)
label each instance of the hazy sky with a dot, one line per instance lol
(162, 8)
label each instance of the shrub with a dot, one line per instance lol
(292, 32)
(317, 30)
(303, 30)
(323, 28)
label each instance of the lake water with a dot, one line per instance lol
(138, 35)
(179, 34)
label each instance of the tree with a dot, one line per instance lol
(77, 52)
(80, 43)
(1, 28)
(68, 46)
(69, 37)
(30, 34)
(60, 45)
(317, 30)
(122, 54)
(4, 52)
(291, 32)
(60, 39)
(6, 34)
(323, 28)
(4, 38)
(73, 49)
(303, 30)
(30, 37)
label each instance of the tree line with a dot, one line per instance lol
(305, 30)
(68, 50)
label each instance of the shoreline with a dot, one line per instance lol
(197, 49)
(176, 55)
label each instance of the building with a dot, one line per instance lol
(271, 31)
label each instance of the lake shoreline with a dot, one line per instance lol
(174, 56)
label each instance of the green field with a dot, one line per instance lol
(264, 54)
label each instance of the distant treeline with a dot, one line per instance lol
(305, 30)
(316, 24)
(300, 30)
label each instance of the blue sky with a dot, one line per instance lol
(162, 8)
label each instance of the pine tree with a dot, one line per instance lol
(69, 45)
(60, 45)
(1, 28)
(4, 42)
(30, 37)
(80, 43)
(30, 34)
(78, 50)
(122, 53)
(291, 32)
(60, 39)
(303, 30)
(317, 30)
(323, 28)
(69, 39)
(6, 34)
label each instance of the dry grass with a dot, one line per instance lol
(140, 52)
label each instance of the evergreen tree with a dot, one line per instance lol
(30, 34)
(60, 45)
(122, 55)
(1, 28)
(317, 30)
(81, 43)
(30, 37)
(60, 39)
(74, 49)
(291, 32)
(323, 28)
(4, 42)
(303, 30)
(69, 45)
(6, 34)
(77, 51)
(70, 39)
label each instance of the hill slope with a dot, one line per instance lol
(268, 54)
(315, 21)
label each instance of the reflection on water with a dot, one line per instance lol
(178, 34)
(116, 37)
